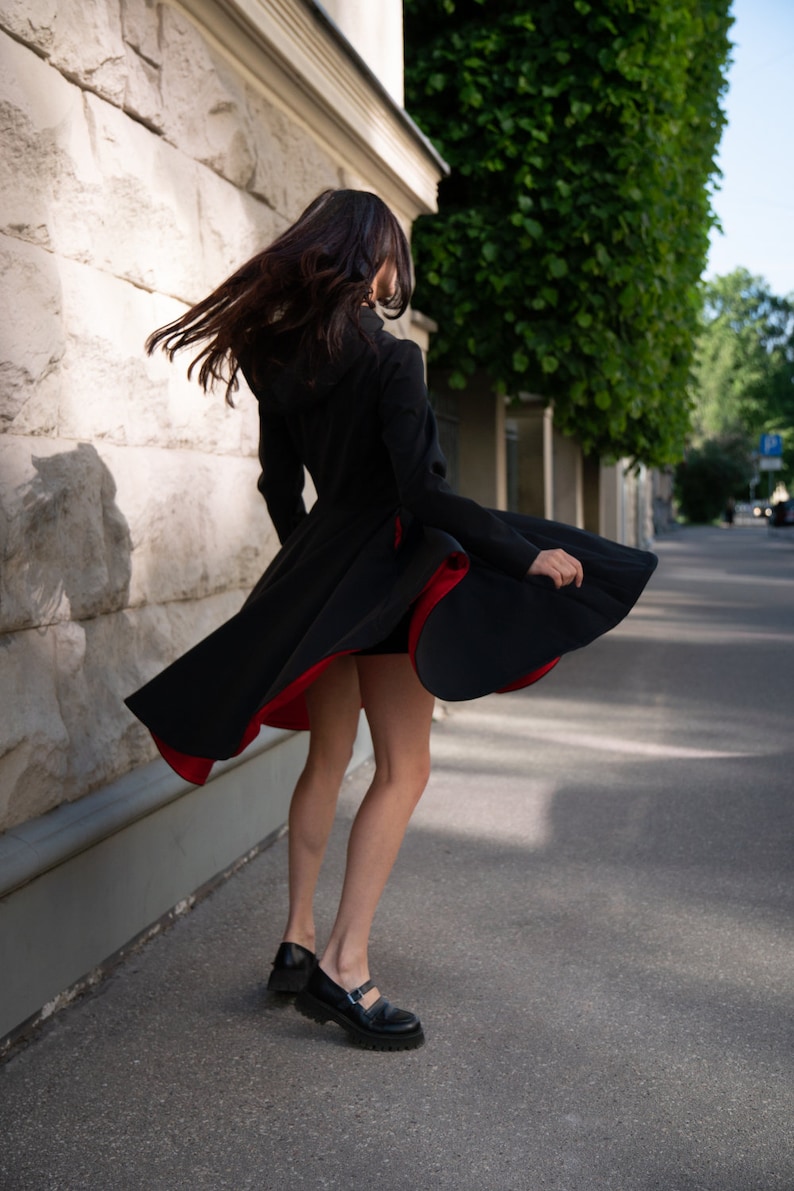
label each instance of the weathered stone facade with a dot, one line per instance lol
(141, 161)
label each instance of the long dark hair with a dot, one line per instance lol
(299, 295)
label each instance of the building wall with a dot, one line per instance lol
(556, 480)
(535, 477)
(481, 446)
(568, 480)
(147, 150)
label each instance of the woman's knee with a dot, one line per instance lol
(329, 759)
(409, 773)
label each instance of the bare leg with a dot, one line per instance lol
(399, 711)
(334, 704)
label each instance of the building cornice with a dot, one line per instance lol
(293, 52)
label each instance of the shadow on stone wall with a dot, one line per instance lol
(68, 548)
(65, 581)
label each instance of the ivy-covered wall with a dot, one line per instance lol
(573, 229)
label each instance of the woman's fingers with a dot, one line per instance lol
(562, 568)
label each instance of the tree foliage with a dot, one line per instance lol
(744, 366)
(709, 476)
(573, 229)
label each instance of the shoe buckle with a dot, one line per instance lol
(355, 996)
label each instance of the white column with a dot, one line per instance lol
(375, 30)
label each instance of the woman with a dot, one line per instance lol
(391, 590)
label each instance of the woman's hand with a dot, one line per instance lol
(559, 566)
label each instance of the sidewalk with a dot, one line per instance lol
(592, 914)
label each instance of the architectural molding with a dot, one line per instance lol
(38, 845)
(294, 54)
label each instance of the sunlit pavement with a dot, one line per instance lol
(592, 913)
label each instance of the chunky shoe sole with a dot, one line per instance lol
(317, 1010)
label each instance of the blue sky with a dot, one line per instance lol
(755, 202)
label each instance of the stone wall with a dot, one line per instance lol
(137, 168)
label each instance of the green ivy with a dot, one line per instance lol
(573, 229)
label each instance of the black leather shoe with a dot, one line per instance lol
(381, 1027)
(292, 967)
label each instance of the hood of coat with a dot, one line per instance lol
(295, 385)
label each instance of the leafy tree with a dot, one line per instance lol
(573, 229)
(709, 476)
(744, 371)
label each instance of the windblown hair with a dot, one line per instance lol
(300, 295)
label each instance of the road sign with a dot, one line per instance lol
(770, 463)
(771, 445)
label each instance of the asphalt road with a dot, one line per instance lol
(592, 914)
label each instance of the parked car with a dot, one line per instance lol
(750, 512)
(783, 514)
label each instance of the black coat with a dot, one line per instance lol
(385, 536)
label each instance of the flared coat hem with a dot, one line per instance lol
(473, 629)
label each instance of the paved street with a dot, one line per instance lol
(592, 914)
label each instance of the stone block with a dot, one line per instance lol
(88, 46)
(80, 178)
(95, 668)
(290, 167)
(140, 25)
(121, 653)
(160, 219)
(204, 102)
(197, 523)
(87, 531)
(81, 38)
(41, 121)
(65, 729)
(234, 227)
(142, 99)
(32, 336)
(34, 742)
(112, 391)
(143, 222)
(33, 22)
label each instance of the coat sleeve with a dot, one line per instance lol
(282, 478)
(411, 438)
